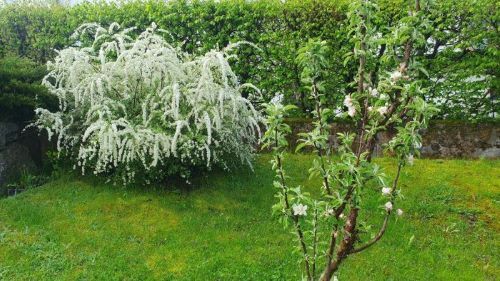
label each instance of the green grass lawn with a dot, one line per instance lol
(222, 229)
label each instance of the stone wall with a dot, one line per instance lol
(14, 157)
(443, 139)
(19, 150)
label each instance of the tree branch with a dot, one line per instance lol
(345, 245)
(295, 218)
(318, 147)
(386, 218)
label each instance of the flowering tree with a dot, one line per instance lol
(128, 105)
(383, 98)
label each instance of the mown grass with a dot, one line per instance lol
(222, 229)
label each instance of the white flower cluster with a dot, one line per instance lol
(299, 210)
(125, 101)
(382, 110)
(386, 191)
(373, 92)
(277, 99)
(388, 206)
(396, 75)
(351, 109)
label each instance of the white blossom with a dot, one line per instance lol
(351, 112)
(348, 101)
(299, 210)
(277, 99)
(410, 159)
(374, 92)
(388, 206)
(382, 110)
(386, 191)
(396, 75)
(351, 109)
(399, 212)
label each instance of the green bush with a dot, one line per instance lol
(20, 89)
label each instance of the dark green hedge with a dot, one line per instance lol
(20, 89)
(466, 32)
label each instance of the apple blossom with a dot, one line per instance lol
(386, 191)
(351, 112)
(388, 206)
(351, 109)
(396, 75)
(300, 210)
(382, 110)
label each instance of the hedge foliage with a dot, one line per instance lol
(461, 55)
(21, 90)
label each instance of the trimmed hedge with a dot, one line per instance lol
(21, 91)
(466, 45)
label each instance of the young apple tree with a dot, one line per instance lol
(386, 94)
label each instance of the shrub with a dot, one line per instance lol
(140, 105)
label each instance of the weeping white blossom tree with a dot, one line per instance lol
(131, 105)
(329, 225)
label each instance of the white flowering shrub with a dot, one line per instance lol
(329, 225)
(130, 105)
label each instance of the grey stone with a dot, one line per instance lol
(442, 139)
(14, 155)
(13, 161)
(9, 132)
(492, 152)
